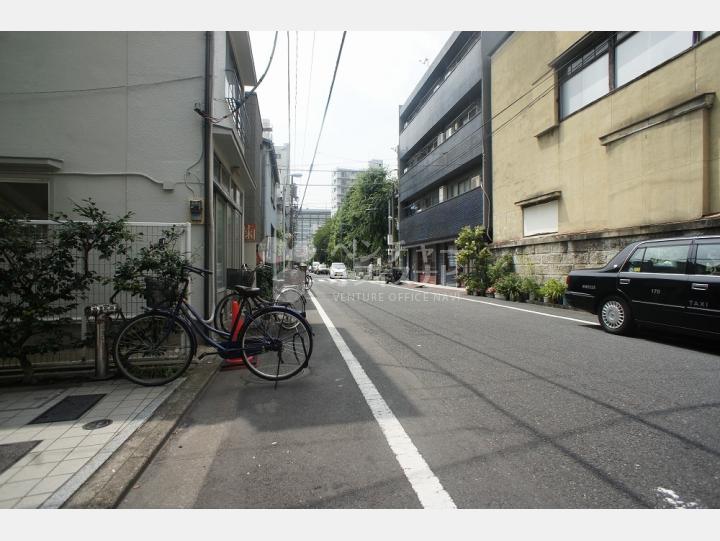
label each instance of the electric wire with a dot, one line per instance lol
(307, 106)
(241, 102)
(297, 49)
(322, 124)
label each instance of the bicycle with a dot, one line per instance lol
(287, 295)
(308, 282)
(156, 347)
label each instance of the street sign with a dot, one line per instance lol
(250, 231)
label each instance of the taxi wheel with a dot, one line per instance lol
(614, 316)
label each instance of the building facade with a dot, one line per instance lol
(600, 139)
(154, 123)
(342, 180)
(443, 178)
(309, 221)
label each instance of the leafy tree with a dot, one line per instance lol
(362, 217)
(321, 240)
(159, 259)
(474, 256)
(39, 279)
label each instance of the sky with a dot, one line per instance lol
(377, 72)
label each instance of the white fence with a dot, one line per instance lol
(99, 293)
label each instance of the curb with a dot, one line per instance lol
(109, 484)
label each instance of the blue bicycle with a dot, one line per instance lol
(156, 347)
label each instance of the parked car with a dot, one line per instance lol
(338, 270)
(323, 269)
(669, 283)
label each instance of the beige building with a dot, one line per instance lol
(602, 138)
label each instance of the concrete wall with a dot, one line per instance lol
(118, 109)
(666, 173)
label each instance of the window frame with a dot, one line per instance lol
(612, 39)
(34, 181)
(689, 257)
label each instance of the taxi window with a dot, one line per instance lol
(663, 258)
(634, 262)
(707, 260)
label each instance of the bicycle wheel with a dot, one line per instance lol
(271, 349)
(308, 282)
(293, 298)
(154, 348)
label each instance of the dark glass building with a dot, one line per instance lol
(444, 139)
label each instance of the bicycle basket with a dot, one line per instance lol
(240, 277)
(160, 292)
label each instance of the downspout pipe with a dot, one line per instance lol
(209, 229)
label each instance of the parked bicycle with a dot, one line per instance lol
(156, 347)
(286, 292)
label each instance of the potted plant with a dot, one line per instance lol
(529, 289)
(471, 284)
(553, 290)
(509, 286)
(490, 292)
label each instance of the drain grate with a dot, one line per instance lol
(94, 425)
(69, 408)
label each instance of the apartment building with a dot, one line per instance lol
(600, 139)
(309, 221)
(342, 180)
(156, 123)
(444, 180)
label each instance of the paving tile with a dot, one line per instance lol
(8, 504)
(45, 457)
(37, 471)
(65, 443)
(69, 466)
(19, 489)
(32, 502)
(49, 484)
(51, 433)
(97, 439)
(77, 432)
(85, 451)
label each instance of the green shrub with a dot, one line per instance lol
(499, 268)
(509, 285)
(529, 286)
(553, 289)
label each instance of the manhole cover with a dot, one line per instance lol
(93, 425)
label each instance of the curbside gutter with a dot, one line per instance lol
(106, 488)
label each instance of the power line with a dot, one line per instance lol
(240, 103)
(307, 106)
(322, 124)
(297, 48)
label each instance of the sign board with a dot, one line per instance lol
(250, 231)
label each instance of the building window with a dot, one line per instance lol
(470, 112)
(589, 83)
(644, 50)
(24, 199)
(541, 218)
(589, 75)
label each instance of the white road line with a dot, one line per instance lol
(426, 485)
(501, 306)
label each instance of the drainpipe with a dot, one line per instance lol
(209, 240)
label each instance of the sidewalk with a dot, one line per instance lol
(48, 445)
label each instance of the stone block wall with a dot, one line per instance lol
(554, 256)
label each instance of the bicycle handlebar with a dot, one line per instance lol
(197, 270)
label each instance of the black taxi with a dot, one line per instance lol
(671, 283)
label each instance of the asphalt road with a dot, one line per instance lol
(508, 405)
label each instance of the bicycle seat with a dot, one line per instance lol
(245, 291)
